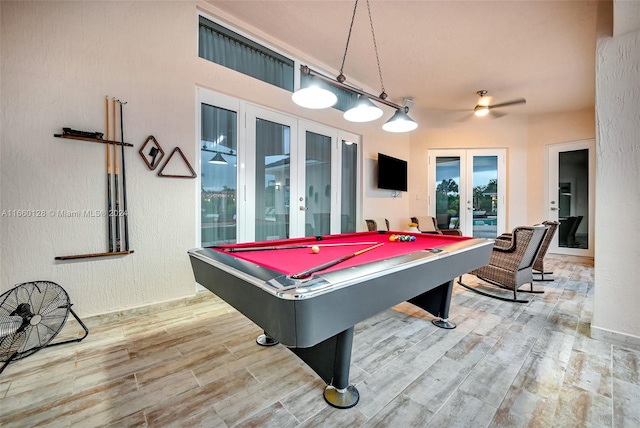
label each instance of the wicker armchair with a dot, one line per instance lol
(428, 224)
(511, 263)
(538, 264)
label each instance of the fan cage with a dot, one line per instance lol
(48, 309)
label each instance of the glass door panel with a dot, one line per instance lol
(573, 199)
(272, 180)
(349, 186)
(318, 184)
(218, 175)
(485, 196)
(317, 206)
(447, 191)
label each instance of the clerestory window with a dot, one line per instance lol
(227, 48)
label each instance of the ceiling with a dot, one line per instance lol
(439, 53)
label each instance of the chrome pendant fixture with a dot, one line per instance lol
(363, 110)
(400, 122)
(314, 96)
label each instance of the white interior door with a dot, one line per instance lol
(316, 200)
(570, 196)
(271, 171)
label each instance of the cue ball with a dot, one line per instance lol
(315, 249)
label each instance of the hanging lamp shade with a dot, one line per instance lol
(314, 96)
(400, 122)
(218, 159)
(363, 110)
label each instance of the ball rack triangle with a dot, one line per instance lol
(177, 149)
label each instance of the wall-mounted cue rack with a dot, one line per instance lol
(116, 214)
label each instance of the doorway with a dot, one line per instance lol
(467, 189)
(570, 196)
(265, 175)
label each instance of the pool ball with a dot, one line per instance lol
(315, 249)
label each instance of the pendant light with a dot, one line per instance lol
(363, 110)
(218, 159)
(313, 96)
(400, 122)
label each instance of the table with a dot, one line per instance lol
(315, 316)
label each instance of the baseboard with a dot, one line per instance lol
(615, 338)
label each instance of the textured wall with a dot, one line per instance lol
(617, 296)
(59, 60)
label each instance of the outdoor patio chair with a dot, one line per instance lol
(377, 224)
(571, 238)
(427, 224)
(511, 263)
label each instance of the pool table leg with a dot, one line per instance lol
(331, 359)
(266, 340)
(340, 394)
(437, 302)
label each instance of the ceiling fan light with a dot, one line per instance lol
(314, 97)
(400, 122)
(363, 110)
(481, 110)
(218, 159)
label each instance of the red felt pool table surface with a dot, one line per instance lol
(292, 261)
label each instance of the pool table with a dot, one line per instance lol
(314, 315)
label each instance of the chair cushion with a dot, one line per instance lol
(426, 223)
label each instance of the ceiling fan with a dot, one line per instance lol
(483, 107)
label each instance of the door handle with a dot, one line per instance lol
(554, 209)
(303, 208)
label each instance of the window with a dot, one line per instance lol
(225, 47)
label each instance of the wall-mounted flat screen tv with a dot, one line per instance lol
(392, 173)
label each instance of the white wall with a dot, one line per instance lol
(616, 316)
(59, 61)
(508, 132)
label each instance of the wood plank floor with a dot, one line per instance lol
(194, 363)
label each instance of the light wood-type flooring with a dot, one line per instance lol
(195, 363)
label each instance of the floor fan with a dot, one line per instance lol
(31, 315)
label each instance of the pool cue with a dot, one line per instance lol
(324, 266)
(116, 181)
(290, 247)
(109, 191)
(125, 215)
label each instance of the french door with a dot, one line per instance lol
(266, 175)
(467, 190)
(570, 196)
